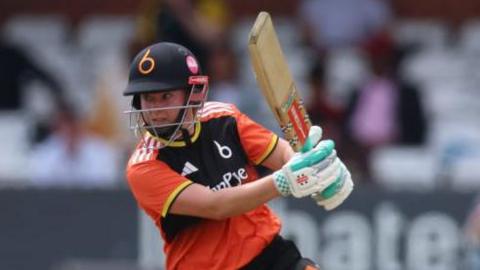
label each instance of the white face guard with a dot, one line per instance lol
(170, 132)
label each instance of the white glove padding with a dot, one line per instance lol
(310, 172)
(337, 192)
(314, 135)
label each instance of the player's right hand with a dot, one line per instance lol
(309, 172)
(335, 194)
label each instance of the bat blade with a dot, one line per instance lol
(276, 82)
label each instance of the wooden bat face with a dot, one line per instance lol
(276, 81)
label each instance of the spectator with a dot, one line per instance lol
(330, 24)
(321, 109)
(384, 110)
(72, 157)
(222, 66)
(198, 24)
(17, 70)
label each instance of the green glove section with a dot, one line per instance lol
(334, 187)
(307, 146)
(323, 150)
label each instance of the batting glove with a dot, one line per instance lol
(309, 172)
(314, 136)
(337, 192)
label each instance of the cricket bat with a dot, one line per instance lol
(276, 82)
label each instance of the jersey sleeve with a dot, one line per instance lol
(155, 186)
(257, 141)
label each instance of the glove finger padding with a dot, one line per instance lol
(309, 172)
(302, 160)
(340, 197)
(315, 178)
(337, 192)
(314, 136)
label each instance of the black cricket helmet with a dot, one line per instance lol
(164, 67)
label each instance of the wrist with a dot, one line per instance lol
(281, 183)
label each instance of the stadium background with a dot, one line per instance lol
(416, 207)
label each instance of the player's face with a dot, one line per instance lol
(162, 100)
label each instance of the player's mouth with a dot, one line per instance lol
(159, 121)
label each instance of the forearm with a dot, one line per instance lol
(244, 198)
(200, 201)
(280, 155)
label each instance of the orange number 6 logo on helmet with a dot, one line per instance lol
(146, 61)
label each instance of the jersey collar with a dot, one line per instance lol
(180, 142)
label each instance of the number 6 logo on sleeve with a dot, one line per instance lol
(146, 61)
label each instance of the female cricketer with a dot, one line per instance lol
(193, 170)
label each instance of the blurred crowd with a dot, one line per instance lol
(397, 95)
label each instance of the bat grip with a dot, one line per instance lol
(296, 131)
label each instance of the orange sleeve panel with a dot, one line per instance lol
(257, 141)
(155, 186)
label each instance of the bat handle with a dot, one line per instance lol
(298, 127)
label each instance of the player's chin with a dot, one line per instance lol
(162, 131)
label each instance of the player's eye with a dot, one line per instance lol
(147, 98)
(166, 96)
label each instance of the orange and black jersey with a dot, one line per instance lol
(226, 144)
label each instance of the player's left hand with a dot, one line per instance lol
(309, 172)
(336, 193)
